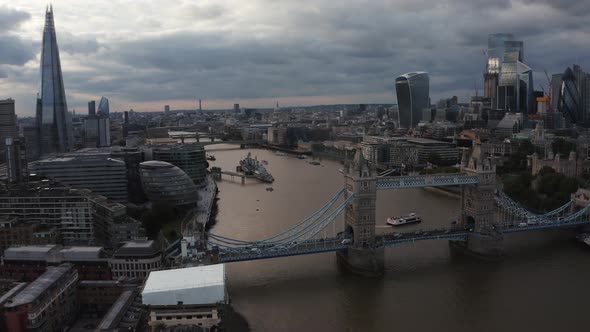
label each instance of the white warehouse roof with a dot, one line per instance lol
(200, 285)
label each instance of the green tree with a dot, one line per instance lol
(563, 147)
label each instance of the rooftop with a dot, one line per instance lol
(40, 285)
(193, 285)
(29, 252)
(156, 164)
(138, 248)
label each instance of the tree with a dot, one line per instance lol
(563, 147)
(434, 158)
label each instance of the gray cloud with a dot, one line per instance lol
(10, 19)
(308, 48)
(15, 51)
(73, 44)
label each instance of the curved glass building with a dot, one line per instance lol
(190, 158)
(569, 98)
(413, 95)
(165, 183)
(103, 106)
(54, 123)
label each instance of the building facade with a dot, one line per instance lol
(413, 95)
(54, 123)
(190, 158)
(46, 304)
(7, 121)
(16, 160)
(52, 205)
(569, 98)
(136, 259)
(165, 183)
(189, 296)
(98, 173)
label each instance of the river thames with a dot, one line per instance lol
(541, 285)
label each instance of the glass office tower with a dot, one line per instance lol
(569, 98)
(54, 123)
(413, 96)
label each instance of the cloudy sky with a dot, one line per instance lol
(145, 54)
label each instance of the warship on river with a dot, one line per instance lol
(251, 166)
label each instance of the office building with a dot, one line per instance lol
(569, 98)
(136, 259)
(413, 96)
(190, 158)
(46, 304)
(189, 296)
(112, 226)
(165, 183)
(555, 90)
(237, 108)
(103, 107)
(498, 45)
(16, 160)
(54, 123)
(515, 94)
(167, 108)
(92, 108)
(19, 233)
(98, 173)
(425, 148)
(7, 122)
(104, 132)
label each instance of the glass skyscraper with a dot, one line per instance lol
(54, 123)
(103, 106)
(413, 96)
(569, 97)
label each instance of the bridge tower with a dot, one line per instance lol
(362, 256)
(477, 204)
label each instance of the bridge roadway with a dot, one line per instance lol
(303, 248)
(385, 240)
(428, 180)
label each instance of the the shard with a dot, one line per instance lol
(54, 123)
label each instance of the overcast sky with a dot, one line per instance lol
(145, 54)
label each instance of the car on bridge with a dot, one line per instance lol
(346, 241)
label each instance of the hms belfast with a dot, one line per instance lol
(251, 166)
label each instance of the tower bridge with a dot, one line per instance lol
(486, 215)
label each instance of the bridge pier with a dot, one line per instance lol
(482, 246)
(477, 207)
(366, 262)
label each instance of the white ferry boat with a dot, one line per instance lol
(403, 220)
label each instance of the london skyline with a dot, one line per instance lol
(258, 53)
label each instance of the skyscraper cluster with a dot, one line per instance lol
(508, 82)
(97, 125)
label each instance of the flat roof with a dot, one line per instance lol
(29, 252)
(193, 285)
(40, 285)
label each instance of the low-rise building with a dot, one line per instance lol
(189, 296)
(567, 167)
(50, 204)
(14, 232)
(27, 263)
(46, 304)
(136, 259)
